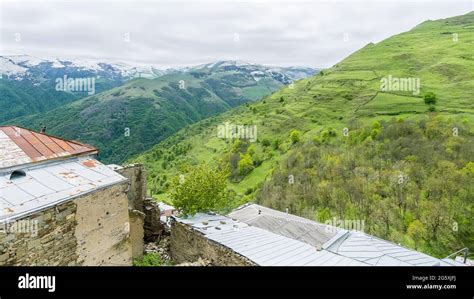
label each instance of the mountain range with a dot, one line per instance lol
(133, 108)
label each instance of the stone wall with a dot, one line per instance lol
(50, 242)
(154, 229)
(136, 175)
(189, 245)
(93, 229)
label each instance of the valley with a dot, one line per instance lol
(319, 124)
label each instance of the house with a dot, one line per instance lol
(60, 206)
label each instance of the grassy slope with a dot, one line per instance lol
(151, 109)
(349, 90)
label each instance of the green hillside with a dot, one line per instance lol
(347, 99)
(19, 98)
(131, 118)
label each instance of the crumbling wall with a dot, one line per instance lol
(48, 240)
(154, 229)
(136, 175)
(188, 245)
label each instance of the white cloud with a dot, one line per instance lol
(180, 33)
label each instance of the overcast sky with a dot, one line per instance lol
(182, 33)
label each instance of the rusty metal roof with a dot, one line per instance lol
(20, 146)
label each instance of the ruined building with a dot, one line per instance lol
(61, 206)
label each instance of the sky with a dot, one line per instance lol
(177, 33)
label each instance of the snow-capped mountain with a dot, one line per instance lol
(29, 67)
(21, 67)
(284, 75)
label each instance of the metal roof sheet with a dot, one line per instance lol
(19, 146)
(354, 245)
(261, 246)
(49, 184)
(288, 225)
(377, 252)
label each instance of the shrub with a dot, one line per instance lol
(245, 164)
(295, 136)
(266, 142)
(149, 260)
(203, 189)
(430, 98)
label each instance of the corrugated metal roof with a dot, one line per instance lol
(261, 246)
(44, 185)
(377, 252)
(355, 245)
(20, 146)
(288, 225)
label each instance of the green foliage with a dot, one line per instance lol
(266, 142)
(323, 215)
(245, 164)
(295, 136)
(23, 98)
(149, 260)
(276, 144)
(201, 189)
(399, 187)
(416, 230)
(429, 98)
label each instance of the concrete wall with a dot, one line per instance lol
(93, 229)
(188, 245)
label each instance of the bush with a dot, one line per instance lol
(276, 144)
(430, 98)
(245, 164)
(149, 260)
(295, 136)
(266, 142)
(202, 190)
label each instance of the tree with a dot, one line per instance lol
(202, 189)
(417, 232)
(430, 98)
(295, 136)
(245, 164)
